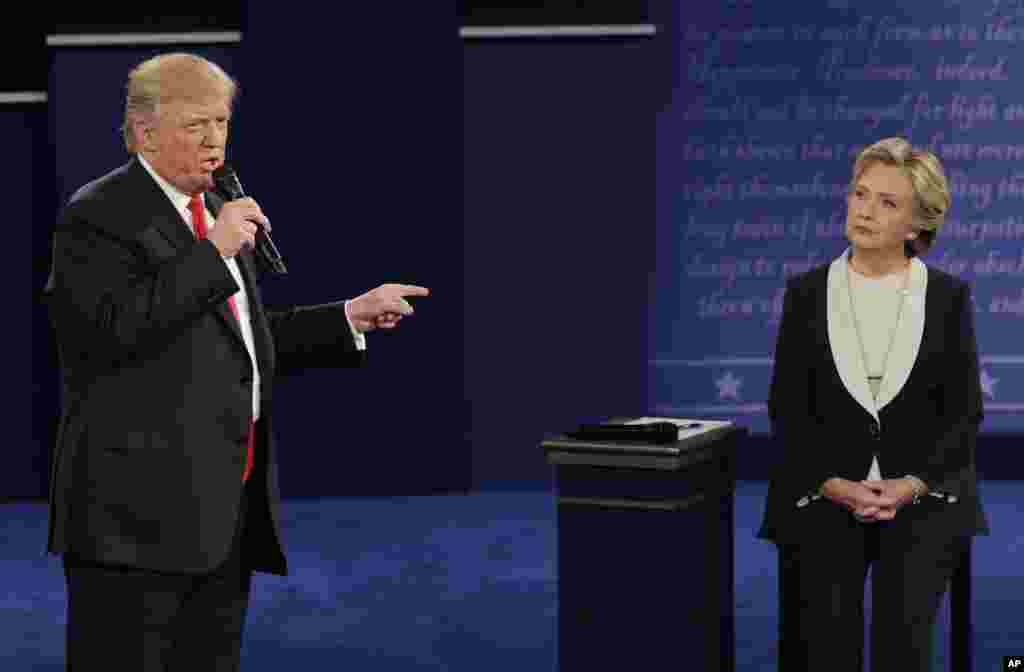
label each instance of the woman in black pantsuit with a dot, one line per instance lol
(875, 403)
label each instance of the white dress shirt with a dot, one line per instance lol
(180, 201)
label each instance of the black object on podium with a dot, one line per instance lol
(645, 549)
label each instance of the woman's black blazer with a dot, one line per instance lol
(825, 422)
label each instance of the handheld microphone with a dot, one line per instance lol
(227, 186)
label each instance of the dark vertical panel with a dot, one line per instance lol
(45, 374)
(558, 198)
(350, 120)
(20, 128)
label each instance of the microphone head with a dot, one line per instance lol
(227, 183)
(224, 171)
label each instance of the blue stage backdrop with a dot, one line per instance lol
(771, 103)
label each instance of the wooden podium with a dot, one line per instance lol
(645, 551)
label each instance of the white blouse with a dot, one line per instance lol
(876, 305)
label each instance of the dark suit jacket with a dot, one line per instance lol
(826, 424)
(157, 384)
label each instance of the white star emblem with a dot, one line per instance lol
(729, 386)
(988, 384)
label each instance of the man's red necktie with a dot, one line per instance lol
(199, 222)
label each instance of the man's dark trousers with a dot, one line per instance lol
(125, 619)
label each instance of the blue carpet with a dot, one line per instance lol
(457, 583)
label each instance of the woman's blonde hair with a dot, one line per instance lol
(168, 77)
(932, 198)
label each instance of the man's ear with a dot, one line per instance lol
(143, 130)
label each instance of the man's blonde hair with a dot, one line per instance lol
(171, 77)
(932, 198)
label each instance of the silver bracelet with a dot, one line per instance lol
(914, 483)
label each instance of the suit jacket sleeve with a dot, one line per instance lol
(791, 401)
(954, 438)
(121, 303)
(313, 337)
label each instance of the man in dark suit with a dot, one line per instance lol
(164, 493)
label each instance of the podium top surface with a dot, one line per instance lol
(694, 433)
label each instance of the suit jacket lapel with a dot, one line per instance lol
(842, 336)
(909, 331)
(846, 349)
(165, 219)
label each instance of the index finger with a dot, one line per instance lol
(259, 217)
(246, 202)
(413, 290)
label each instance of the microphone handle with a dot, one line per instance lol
(268, 251)
(265, 247)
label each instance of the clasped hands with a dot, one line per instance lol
(870, 500)
(382, 307)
